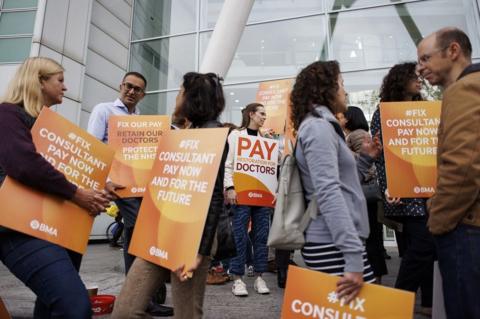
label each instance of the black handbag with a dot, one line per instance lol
(371, 190)
(226, 247)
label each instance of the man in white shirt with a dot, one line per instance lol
(132, 91)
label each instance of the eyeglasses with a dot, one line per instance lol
(424, 59)
(129, 86)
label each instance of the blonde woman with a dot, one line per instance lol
(49, 270)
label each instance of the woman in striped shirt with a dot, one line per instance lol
(335, 239)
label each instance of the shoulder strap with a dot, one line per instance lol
(338, 129)
(335, 125)
(311, 211)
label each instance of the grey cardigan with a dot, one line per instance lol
(328, 170)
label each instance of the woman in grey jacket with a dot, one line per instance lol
(334, 240)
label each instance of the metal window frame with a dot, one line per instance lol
(15, 36)
(326, 12)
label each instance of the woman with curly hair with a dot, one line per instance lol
(415, 243)
(334, 240)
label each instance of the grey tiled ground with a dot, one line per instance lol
(102, 266)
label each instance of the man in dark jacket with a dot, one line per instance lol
(444, 58)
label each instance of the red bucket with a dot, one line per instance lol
(102, 304)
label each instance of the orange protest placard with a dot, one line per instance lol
(3, 310)
(311, 294)
(289, 140)
(255, 170)
(175, 205)
(83, 159)
(135, 140)
(409, 133)
(275, 96)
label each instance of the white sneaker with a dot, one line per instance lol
(260, 286)
(239, 288)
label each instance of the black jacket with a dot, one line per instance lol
(216, 203)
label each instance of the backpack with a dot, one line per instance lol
(290, 218)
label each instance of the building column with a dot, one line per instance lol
(226, 36)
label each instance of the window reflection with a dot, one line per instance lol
(14, 50)
(236, 97)
(17, 22)
(367, 42)
(382, 37)
(16, 4)
(158, 103)
(263, 10)
(159, 18)
(277, 49)
(350, 4)
(165, 61)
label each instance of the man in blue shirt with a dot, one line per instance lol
(132, 91)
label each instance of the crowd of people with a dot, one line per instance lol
(342, 168)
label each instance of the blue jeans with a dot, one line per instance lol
(260, 226)
(51, 272)
(459, 261)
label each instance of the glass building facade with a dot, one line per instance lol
(367, 37)
(17, 18)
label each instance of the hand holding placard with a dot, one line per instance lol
(409, 131)
(173, 212)
(85, 161)
(93, 201)
(313, 294)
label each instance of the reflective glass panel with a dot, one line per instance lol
(363, 89)
(164, 62)
(263, 10)
(350, 4)
(14, 50)
(382, 37)
(277, 49)
(14, 4)
(17, 22)
(236, 98)
(158, 103)
(153, 18)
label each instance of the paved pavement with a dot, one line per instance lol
(102, 265)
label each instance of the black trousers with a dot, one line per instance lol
(282, 259)
(374, 243)
(416, 267)
(129, 208)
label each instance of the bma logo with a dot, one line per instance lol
(36, 225)
(138, 190)
(157, 252)
(423, 189)
(254, 195)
